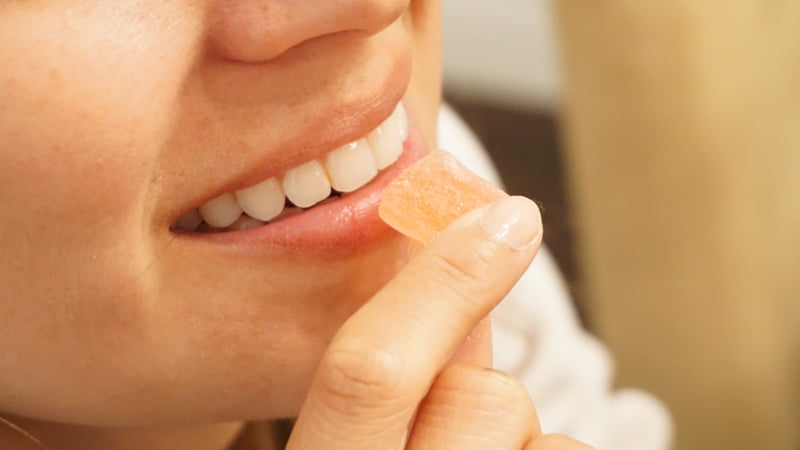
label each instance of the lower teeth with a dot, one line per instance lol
(246, 222)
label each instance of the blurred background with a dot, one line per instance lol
(663, 141)
(502, 76)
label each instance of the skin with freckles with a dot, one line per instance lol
(117, 113)
(117, 116)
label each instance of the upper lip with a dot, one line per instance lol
(325, 132)
(339, 129)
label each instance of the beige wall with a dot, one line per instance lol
(683, 129)
(502, 55)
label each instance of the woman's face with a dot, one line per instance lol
(116, 119)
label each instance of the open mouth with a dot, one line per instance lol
(342, 171)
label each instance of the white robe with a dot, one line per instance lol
(537, 337)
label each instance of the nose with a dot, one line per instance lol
(260, 30)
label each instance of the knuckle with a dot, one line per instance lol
(466, 270)
(486, 390)
(361, 378)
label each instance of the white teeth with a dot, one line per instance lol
(290, 211)
(307, 184)
(351, 166)
(384, 142)
(189, 221)
(346, 169)
(263, 201)
(402, 118)
(221, 211)
(244, 222)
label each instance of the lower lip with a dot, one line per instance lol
(343, 225)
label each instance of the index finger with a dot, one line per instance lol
(382, 361)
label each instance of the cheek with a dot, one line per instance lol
(86, 98)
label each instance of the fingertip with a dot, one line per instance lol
(514, 220)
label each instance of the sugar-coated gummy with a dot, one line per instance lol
(431, 194)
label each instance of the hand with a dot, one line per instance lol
(384, 382)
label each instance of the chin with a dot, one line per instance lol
(250, 351)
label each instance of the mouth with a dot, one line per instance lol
(325, 202)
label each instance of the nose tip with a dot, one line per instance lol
(260, 30)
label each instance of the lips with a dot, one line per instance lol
(321, 204)
(343, 170)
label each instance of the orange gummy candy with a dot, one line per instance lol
(431, 194)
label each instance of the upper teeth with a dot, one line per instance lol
(345, 169)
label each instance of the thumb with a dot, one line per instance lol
(476, 349)
(384, 359)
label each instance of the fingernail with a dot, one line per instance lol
(513, 220)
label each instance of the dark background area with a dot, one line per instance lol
(525, 147)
